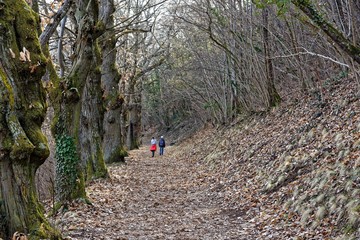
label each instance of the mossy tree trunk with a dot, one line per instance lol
(344, 43)
(82, 104)
(112, 138)
(78, 117)
(23, 147)
(69, 177)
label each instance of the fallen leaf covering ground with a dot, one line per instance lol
(153, 198)
(292, 173)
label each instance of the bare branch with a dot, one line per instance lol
(50, 28)
(312, 54)
(345, 44)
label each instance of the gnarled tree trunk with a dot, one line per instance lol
(82, 104)
(23, 147)
(112, 138)
(79, 116)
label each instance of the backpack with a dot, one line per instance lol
(161, 143)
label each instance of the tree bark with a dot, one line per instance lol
(134, 117)
(78, 117)
(112, 144)
(82, 104)
(131, 101)
(23, 147)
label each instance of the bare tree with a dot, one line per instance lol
(230, 61)
(139, 54)
(342, 41)
(79, 120)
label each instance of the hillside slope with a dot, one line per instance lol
(292, 173)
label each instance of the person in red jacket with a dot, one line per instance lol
(153, 146)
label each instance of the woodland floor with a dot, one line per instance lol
(154, 198)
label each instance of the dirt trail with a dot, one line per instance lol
(153, 198)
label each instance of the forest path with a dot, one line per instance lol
(154, 198)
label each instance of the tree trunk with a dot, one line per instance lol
(90, 128)
(134, 124)
(23, 147)
(69, 177)
(274, 97)
(341, 15)
(112, 144)
(79, 116)
(82, 103)
(345, 44)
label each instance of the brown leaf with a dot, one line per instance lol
(22, 57)
(12, 53)
(27, 54)
(32, 68)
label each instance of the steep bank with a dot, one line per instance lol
(292, 172)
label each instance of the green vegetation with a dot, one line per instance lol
(67, 169)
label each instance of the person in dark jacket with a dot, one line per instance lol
(162, 145)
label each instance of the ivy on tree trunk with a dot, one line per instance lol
(82, 104)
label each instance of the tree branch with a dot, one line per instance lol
(345, 44)
(312, 54)
(149, 68)
(50, 28)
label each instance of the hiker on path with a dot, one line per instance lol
(153, 146)
(161, 145)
